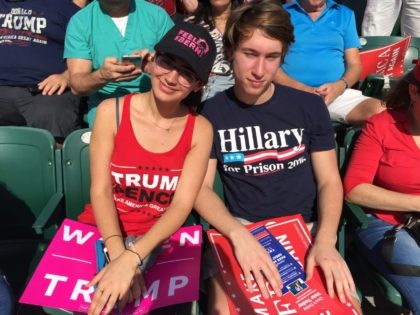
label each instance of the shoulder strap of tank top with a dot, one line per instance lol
(117, 111)
(125, 115)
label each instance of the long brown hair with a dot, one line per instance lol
(399, 97)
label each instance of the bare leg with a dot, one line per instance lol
(217, 303)
(364, 110)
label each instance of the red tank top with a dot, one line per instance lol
(143, 182)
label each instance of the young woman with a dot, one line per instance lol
(383, 176)
(149, 154)
(213, 14)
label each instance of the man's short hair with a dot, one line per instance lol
(266, 15)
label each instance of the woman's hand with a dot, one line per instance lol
(118, 282)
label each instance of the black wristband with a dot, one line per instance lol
(345, 82)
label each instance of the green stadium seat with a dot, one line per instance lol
(76, 172)
(30, 199)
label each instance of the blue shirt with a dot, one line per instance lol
(317, 55)
(32, 40)
(263, 151)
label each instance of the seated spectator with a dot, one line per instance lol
(383, 176)
(33, 78)
(163, 143)
(251, 120)
(324, 59)
(213, 14)
(380, 17)
(96, 39)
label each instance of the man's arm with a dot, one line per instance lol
(330, 91)
(353, 66)
(323, 252)
(84, 81)
(251, 256)
(282, 78)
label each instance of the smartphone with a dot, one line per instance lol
(133, 59)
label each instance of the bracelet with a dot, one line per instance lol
(140, 263)
(345, 82)
(111, 236)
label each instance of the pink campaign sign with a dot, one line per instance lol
(70, 262)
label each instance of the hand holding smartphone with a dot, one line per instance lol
(132, 59)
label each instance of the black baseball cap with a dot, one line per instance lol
(193, 44)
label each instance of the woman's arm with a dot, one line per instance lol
(101, 147)
(372, 196)
(359, 179)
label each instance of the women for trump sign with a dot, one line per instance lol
(70, 263)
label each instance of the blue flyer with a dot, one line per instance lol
(101, 255)
(290, 271)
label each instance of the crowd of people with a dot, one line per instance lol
(170, 90)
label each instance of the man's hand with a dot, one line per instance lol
(335, 270)
(113, 70)
(55, 83)
(330, 91)
(256, 263)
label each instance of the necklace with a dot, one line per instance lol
(167, 129)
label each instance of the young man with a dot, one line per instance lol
(253, 121)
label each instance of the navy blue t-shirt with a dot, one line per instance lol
(32, 40)
(263, 151)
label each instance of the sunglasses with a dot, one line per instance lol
(165, 64)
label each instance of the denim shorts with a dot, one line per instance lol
(149, 260)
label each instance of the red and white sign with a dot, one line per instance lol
(70, 263)
(387, 60)
(305, 297)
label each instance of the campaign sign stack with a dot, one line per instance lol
(70, 262)
(287, 240)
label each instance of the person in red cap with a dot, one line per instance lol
(148, 155)
(384, 177)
